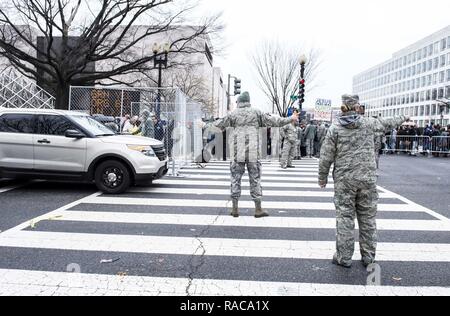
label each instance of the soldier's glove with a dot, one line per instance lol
(323, 184)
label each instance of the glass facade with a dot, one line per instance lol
(411, 82)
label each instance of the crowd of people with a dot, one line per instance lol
(302, 140)
(146, 125)
(433, 138)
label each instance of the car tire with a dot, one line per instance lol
(112, 177)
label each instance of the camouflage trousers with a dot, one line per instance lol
(317, 148)
(288, 154)
(254, 173)
(309, 147)
(360, 201)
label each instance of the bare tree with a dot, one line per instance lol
(195, 86)
(189, 79)
(278, 73)
(108, 35)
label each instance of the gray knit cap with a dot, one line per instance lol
(244, 97)
(349, 102)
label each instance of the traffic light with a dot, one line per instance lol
(301, 94)
(237, 86)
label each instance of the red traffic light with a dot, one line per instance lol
(302, 81)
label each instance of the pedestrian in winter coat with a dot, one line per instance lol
(320, 137)
(350, 147)
(310, 135)
(246, 122)
(146, 128)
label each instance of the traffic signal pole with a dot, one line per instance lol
(302, 83)
(237, 89)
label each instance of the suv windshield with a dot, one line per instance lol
(92, 125)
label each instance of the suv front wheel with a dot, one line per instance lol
(112, 177)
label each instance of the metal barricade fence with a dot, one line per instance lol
(417, 144)
(163, 114)
(440, 144)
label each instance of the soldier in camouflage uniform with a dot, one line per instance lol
(244, 141)
(349, 145)
(320, 137)
(310, 135)
(290, 135)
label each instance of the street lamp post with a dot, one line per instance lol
(160, 59)
(301, 93)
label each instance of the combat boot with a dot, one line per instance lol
(235, 210)
(259, 213)
(366, 261)
(346, 265)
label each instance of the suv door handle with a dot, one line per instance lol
(44, 141)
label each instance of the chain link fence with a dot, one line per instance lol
(164, 114)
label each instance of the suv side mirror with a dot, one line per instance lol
(72, 133)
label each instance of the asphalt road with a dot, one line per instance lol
(175, 215)
(423, 180)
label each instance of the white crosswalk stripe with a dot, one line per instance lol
(283, 193)
(226, 203)
(153, 221)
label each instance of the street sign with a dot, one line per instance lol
(322, 110)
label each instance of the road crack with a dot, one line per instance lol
(198, 260)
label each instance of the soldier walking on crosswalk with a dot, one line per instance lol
(349, 145)
(246, 122)
(290, 135)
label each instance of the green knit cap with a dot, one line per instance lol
(244, 97)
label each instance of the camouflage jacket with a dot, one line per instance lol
(321, 133)
(244, 137)
(350, 146)
(300, 136)
(310, 132)
(289, 133)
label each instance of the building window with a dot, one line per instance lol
(441, 76)
(436, 48)
(435, 62)
(444, 44)
(434, 94)
(442, 64)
